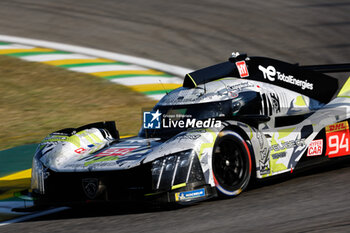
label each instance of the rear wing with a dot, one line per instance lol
(306, 80)
(335, 68)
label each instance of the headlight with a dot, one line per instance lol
(179, 168)
(38, 175)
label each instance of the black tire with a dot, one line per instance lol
(231, 163)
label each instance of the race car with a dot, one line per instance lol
(243, 119)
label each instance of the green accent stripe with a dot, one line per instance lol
(157, 92)
(22, 54)
(92, 64)
(136, 75)
(4, 43)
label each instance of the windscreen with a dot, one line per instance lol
(244, 103)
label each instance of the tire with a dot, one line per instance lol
(231, 163)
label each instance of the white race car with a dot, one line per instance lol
(249, 117)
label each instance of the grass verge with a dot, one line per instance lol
(37, 99)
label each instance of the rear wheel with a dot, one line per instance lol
(232, 164)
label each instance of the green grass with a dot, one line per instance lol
(37, 99)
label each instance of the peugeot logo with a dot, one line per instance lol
(90, 187)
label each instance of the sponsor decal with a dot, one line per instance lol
(151, 120)
(116, 151)
(341, 126)
(288, 144)
(55, 138)
(279, 155)
(260, 138)
(275, 102)
(189, 195)
(337, 136)
(80, 150)
(315, 148)
(272, 74)
(118, 156)
(92, 166)
(264, 162)
(240, 86)
(188, 137)
(242, 69)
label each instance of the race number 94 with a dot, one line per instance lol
(338, 146)
(337, 139)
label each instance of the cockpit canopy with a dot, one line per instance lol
(245, 103)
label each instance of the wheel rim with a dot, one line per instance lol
(229, 165)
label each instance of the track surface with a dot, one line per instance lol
(191, 35)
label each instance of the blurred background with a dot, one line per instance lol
(186, 32)
(193, 34)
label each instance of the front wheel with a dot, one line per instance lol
(232, 164)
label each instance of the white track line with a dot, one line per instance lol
(156, 96)
(35, 215)
(102, 68)
(131, 81)
(55, 57)
(15, 46)
(175, 70)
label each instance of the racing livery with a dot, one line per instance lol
(243, 119)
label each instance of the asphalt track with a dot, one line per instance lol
(194, 34)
